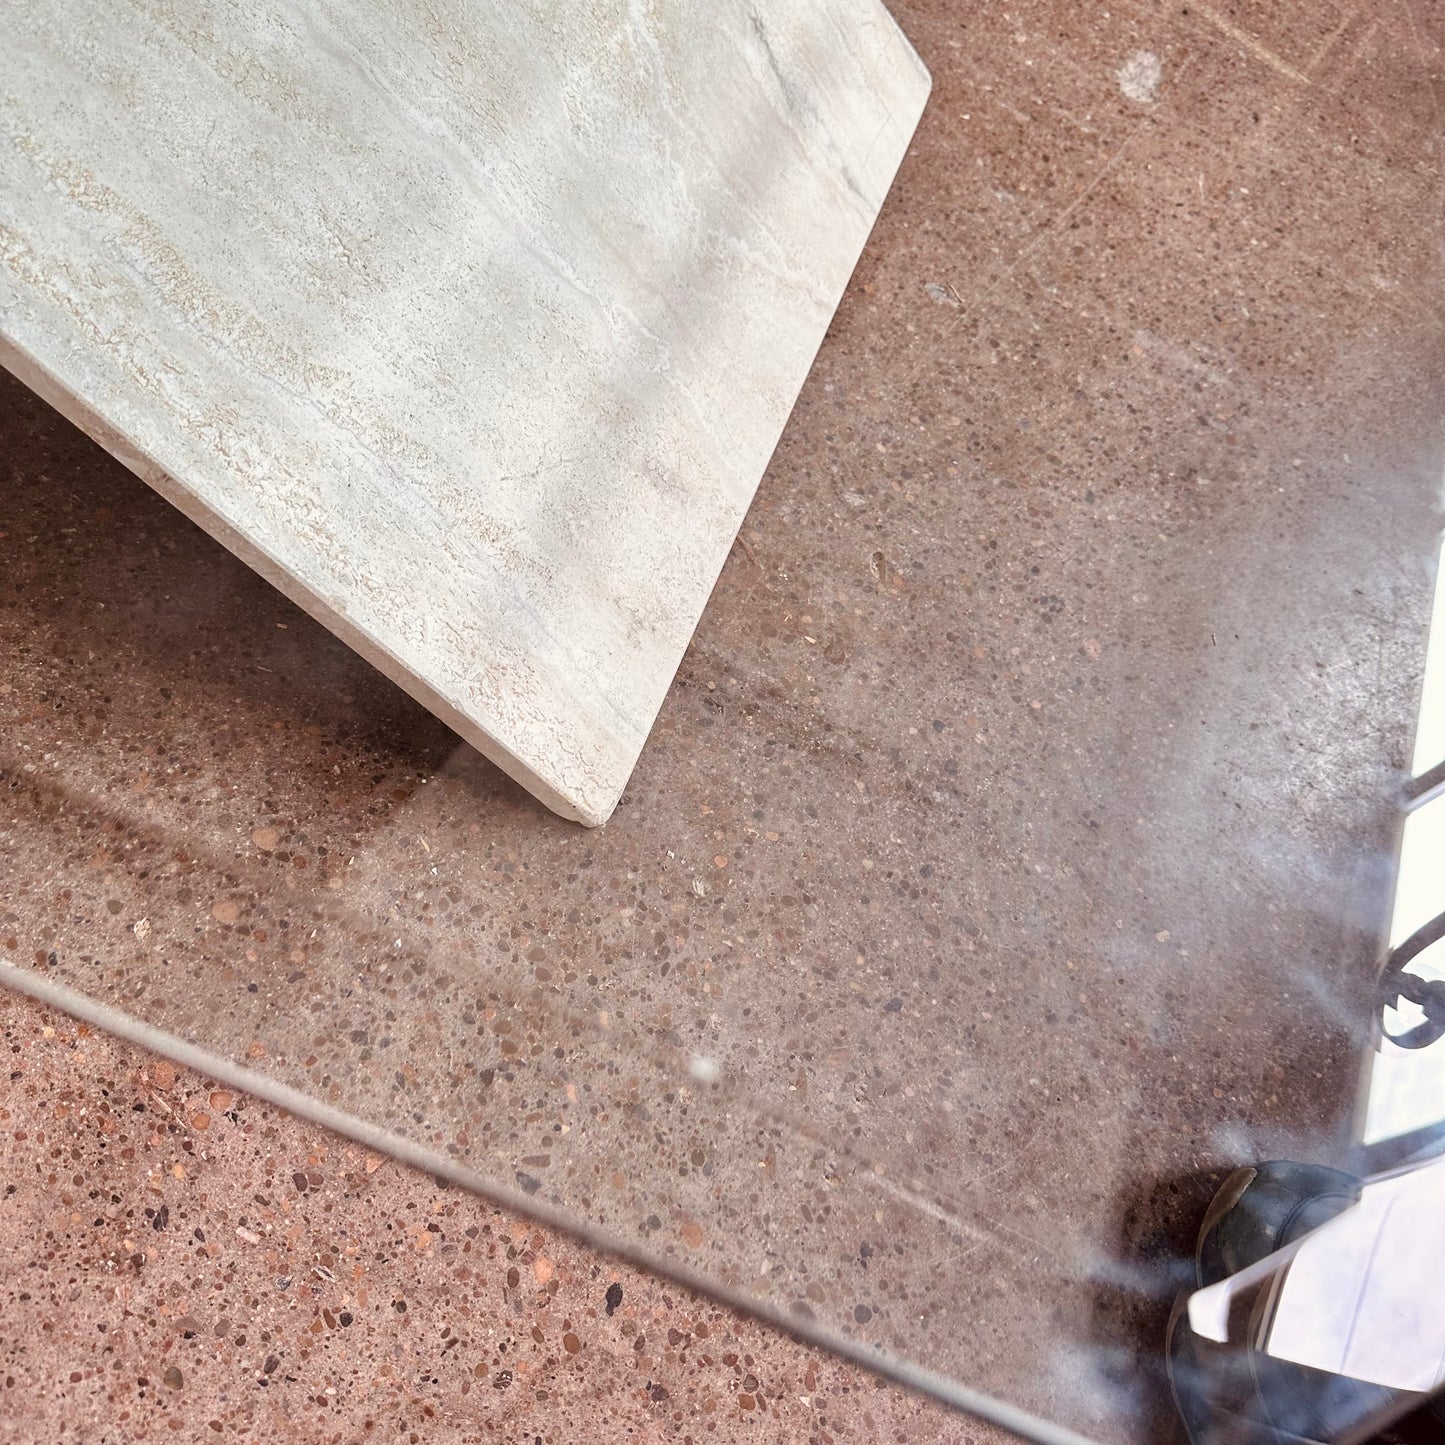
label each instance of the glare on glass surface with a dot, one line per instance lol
(1360, 1298)
(1407, 1086)
(1430, 735)
(1420, 888)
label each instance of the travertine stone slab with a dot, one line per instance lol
(471, 326)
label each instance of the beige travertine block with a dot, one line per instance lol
(471, 326)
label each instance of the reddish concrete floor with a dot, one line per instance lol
(180, 1262)
(1010, 857)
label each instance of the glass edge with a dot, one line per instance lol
(407, 1151)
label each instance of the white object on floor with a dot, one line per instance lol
(471, 327)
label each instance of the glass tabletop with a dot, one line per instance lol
(1015, 851)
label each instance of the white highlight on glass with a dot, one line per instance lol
(1362, 1297)
(1420, 884)
(1430, 734)
(1407, 1086)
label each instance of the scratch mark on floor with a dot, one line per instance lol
(1255, 46)
(1331, 40)
(1423, 54)
(993, 1235)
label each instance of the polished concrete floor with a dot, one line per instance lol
(204, 1266)
(1011, 854)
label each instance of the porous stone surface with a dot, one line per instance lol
(471, 328)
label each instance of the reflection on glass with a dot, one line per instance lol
(1318, 1314)
(1407, 1085)
(1420, 889)
(1430, 735)
(1362, 1295)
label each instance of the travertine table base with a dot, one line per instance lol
(472, 327)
